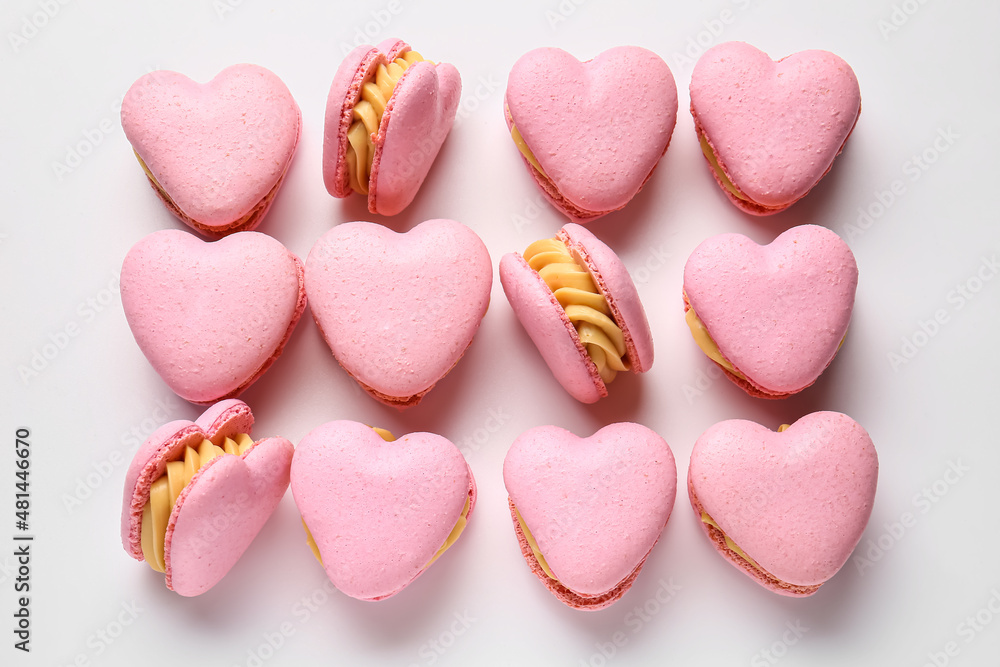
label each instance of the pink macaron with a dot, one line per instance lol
(215, 153)
(581, 309)
(588, 511)
(211, 317)
(771, 130)
(772, 317)
(379, 511)
(591, 133)
(785, 508)
(399, 310)
(387, 115)
(197, 493)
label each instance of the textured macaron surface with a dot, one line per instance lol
(399, 310)
(596, 505)
(777, 312)
(597, 128)
(775, 127)
(378, 511)
(210, 316)
(797, 502)
(217, 149)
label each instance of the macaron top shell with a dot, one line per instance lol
(775, 127)
(797, 502)
(399, 310)
(378, 511)
(217, 149)
(597, 128)
(777, 312)
(595, 506)
(211, 317)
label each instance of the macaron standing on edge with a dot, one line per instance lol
(773, 317)
(388, 113)
(587, 512)
(379, 511)
(215, 153)
(590, 133)
(786, 508)
(197, 493)
(577, 302)
(770, 130)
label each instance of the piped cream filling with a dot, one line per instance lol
(453, 536)
(167, 488)
(534, 546)
(706, 343)
(525, 151)
(367, 114)
(586, 308)
(729, 543)
(717, 168)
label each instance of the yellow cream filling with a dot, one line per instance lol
(525, 151)
(586, 308)
(534, 546)
(729, 543)
(714, 161)
(453, 536)
(706, 343)
(375, 94)
(167, 488)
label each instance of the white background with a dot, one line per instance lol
(63, 238)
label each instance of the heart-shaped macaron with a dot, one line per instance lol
(379, 512)
(209, 514)
(587, 511)
(591, 132)
(388, 113)
(215, 153)
(211, 317)
(399, 310)
(771, 130)
(786, 508)
(773, 317)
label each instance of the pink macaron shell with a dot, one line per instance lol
(398, 310)
(796, 502)
(550, 329)
(776, 312)
(392, 47)
(217, 149)
(597, 128)
(616, 285)
(378, 511)
(221, 511)
(345, 91)
(775, 127)
(595, 506)
(417, 120)
(226, 419)
(211, 317)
